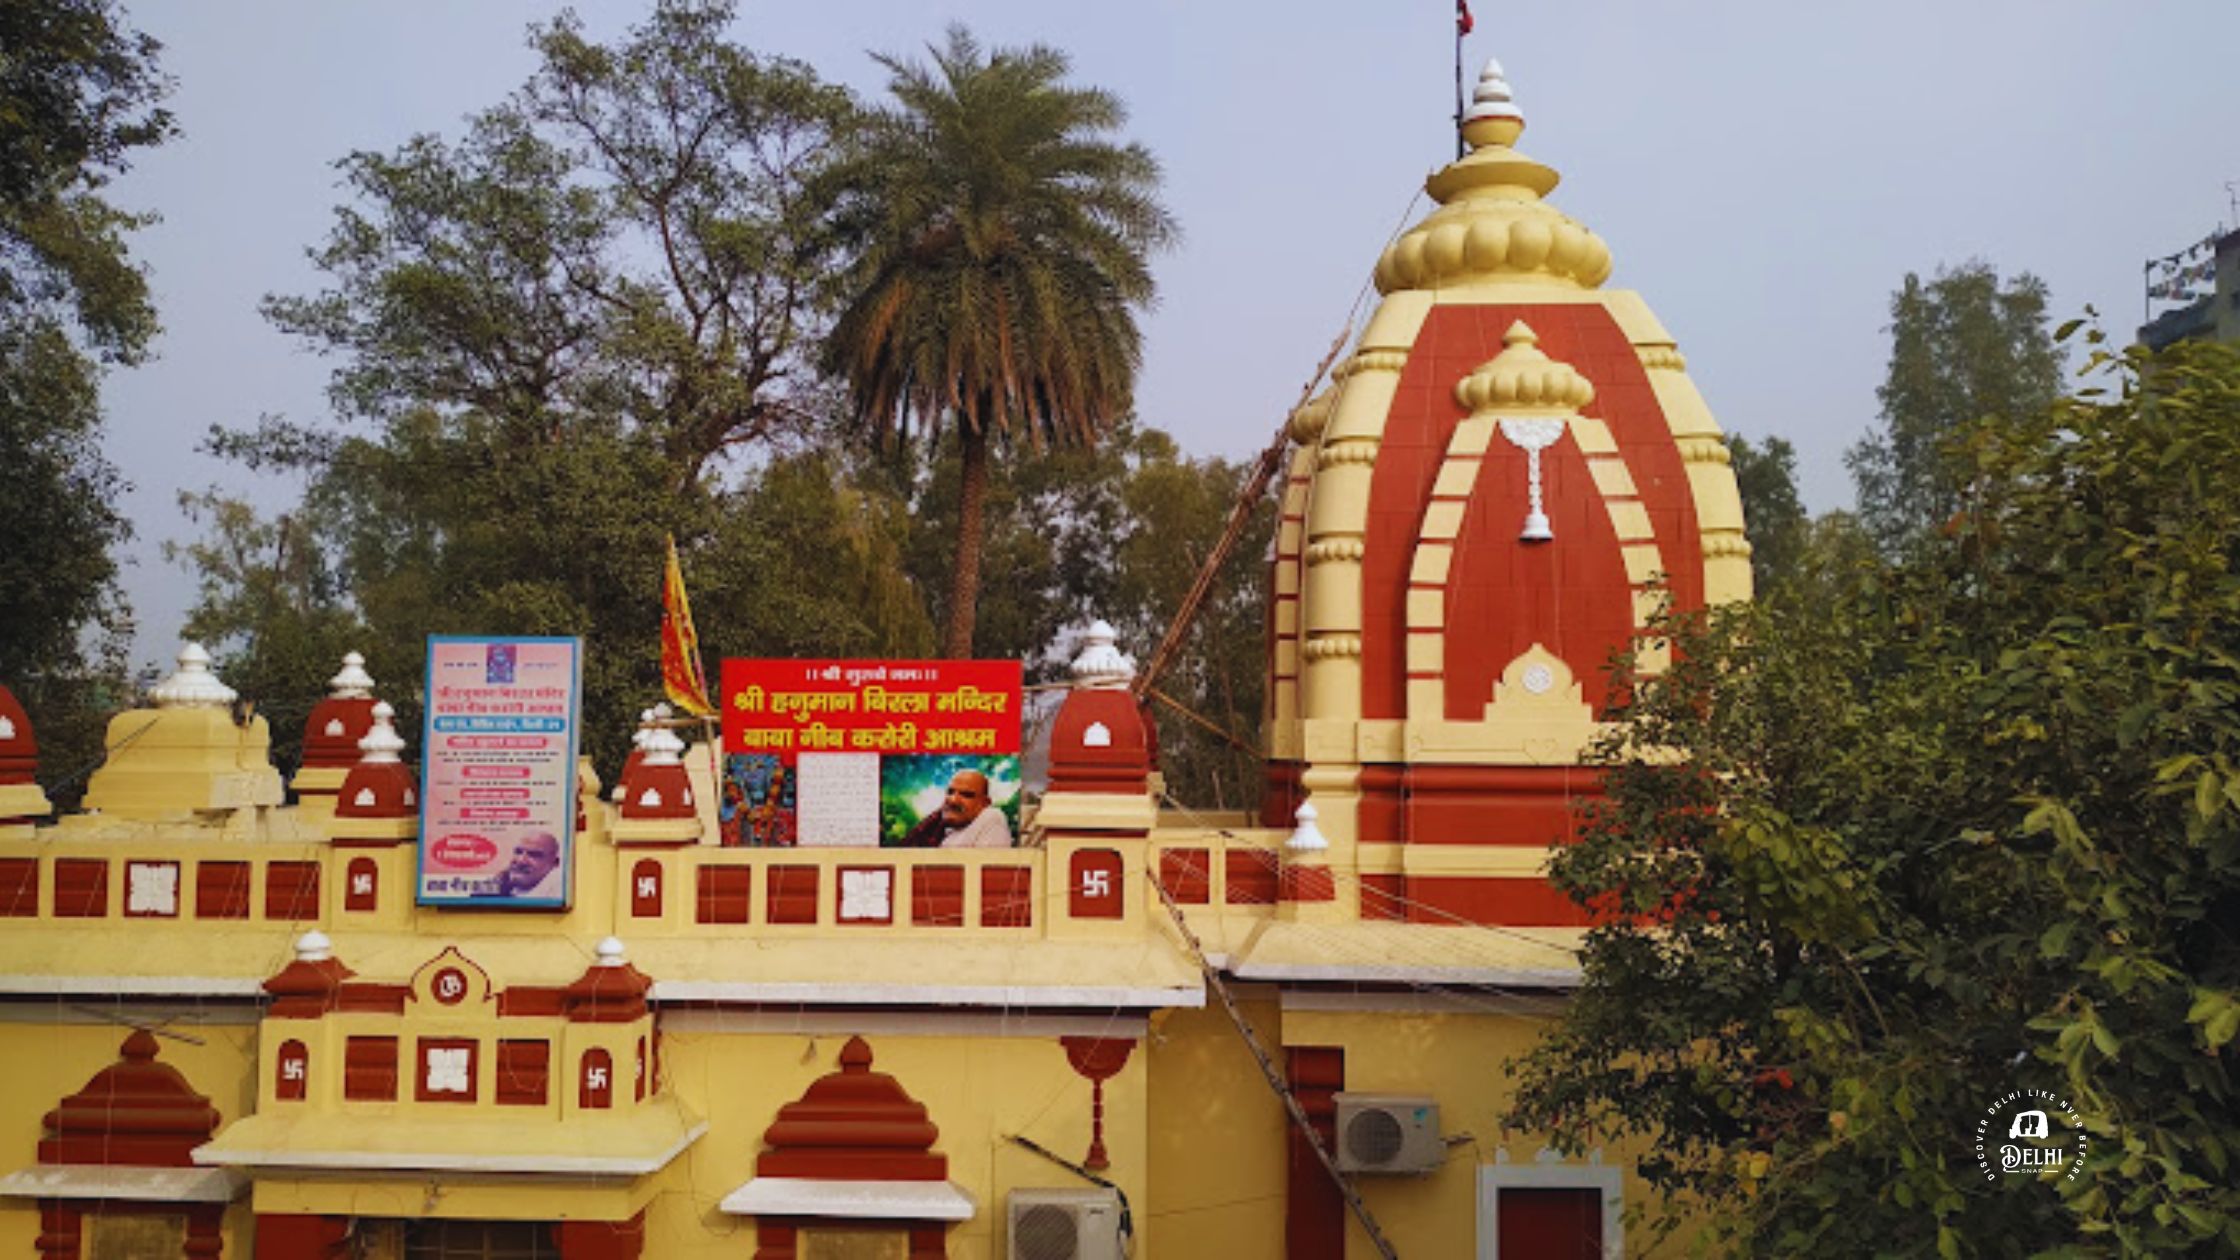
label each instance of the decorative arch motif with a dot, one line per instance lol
(1521, 383)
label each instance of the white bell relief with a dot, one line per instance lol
(1532, 437)
(7, 728)
(1097, 736)
(364, 799)
(651, 799)
(334, 727)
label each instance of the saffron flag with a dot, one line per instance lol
(1463, 22)
(681, 673)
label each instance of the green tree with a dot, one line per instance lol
(1772, 514)
(79, 93)
(1118, 531)
(1963, 346)
(1209, 706)
(580, 327)
(1933, 831)
(275, 609)
(999, 240)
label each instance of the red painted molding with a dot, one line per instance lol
(135, 1111)
(853, 1125)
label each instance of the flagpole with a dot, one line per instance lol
(1461, 8)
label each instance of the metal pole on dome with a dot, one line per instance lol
(1462, 24)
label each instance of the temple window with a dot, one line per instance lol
(369, 1069)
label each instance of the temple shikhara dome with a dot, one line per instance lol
(241, 1025)
(1508, 476)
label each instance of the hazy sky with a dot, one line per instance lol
(1765, 173)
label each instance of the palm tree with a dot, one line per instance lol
(998, 241)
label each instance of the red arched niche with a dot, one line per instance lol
(1568, 594)
(1455, 341)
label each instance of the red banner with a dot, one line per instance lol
(793, 706)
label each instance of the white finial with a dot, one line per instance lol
(193, 686)
(313, 946)
(662, 746)
(353, 683)
(1101, 665)
(1493, 99)
(381, 741)
(1306, 837)
(609, 950)
(645, 728)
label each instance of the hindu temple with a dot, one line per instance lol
(231, 1028)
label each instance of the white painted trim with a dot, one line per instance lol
(852, 1200)
(798, 1020)
(130, 1183)
(132, 986)
(1511, 977)
(1098, 996)
(522, 1162)
(1549, 1171)
(1533, 1005)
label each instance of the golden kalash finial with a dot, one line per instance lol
(1491, 224)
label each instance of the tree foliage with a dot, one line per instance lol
(1773, 514)
(999, 243)
(1118, 531)
(579, 328)
(79, 93)
(588, 323)
(1935, 830)
(1964, 346)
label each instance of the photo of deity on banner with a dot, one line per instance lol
(758, 806)
(945, 801)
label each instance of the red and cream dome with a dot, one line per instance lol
(19, 748)
(655, 785)
(1101, 739)
(337, 723)
(1506, 477)
(21, 801)
(380, 785)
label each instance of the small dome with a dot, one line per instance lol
(380, 785)
(1101, 664)
(192, 685)
(337, 723)
(352, 682)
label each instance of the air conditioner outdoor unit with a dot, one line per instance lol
(1388, 1133)
(1063, 1225)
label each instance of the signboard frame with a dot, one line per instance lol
(784, 717)
(562, 827)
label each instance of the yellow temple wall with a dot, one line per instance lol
(1460, 1059)
(1217, 1137)
(47, 1050)
(979, 1090)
